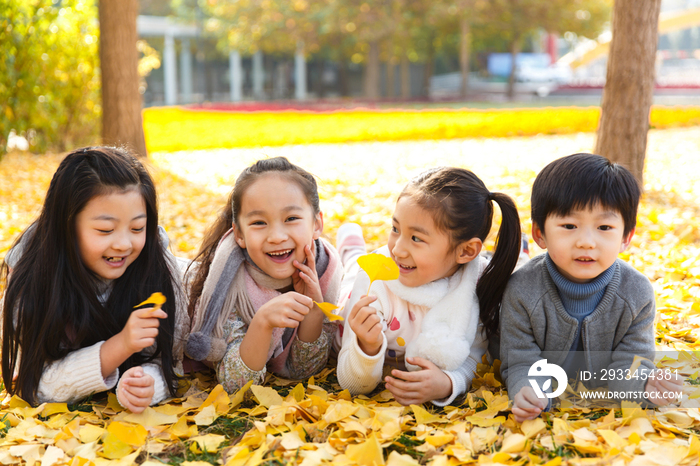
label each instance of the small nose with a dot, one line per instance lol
(122, 242)
(277, 234)
(585, 239)
(399, 250)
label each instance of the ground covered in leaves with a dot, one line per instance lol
(315, 422)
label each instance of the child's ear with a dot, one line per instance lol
(238, 236)
(468, 250)
(318, 225)
(626, 241)
(538, 236)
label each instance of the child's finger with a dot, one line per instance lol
(408, 376)
(301, 299)
(422, 363)
(310, 258)
(361, 303)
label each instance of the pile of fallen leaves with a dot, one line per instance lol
(313, 421)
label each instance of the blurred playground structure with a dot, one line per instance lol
(567, 67)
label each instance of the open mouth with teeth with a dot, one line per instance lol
(584, 259)
(115, 260)
(405, 268)
(280, 256)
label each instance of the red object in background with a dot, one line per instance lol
(552, 47)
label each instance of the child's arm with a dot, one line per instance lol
(358, 371)
(75, 376)
(519, 349)
(139, 333)
(231, 371)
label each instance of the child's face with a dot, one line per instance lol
(584, 243)
(275, 223)
(111, 232)
(422, 252)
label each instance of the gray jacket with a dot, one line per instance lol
(535, 325)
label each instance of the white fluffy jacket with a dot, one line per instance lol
(448, 333)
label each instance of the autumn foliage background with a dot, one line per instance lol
(315, 422)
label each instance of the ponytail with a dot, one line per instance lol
(493, 281)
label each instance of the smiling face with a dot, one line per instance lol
(584, 243)
(111, 232)
(274, 224)
(422, 251)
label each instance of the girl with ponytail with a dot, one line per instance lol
(426, 331)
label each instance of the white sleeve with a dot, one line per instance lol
(160, 388)
(74, 377)
(462, 376)
(358, 372)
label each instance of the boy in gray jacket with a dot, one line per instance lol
(578, 306)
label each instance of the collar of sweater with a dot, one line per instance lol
(580, 298)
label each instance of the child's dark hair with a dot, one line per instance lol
(229, 213)
(52, 302)
(581, 181)
(461, 205)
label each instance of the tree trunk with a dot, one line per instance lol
(629, 85)
(514, 50)
(429, 66)
(121, 101)
(390, 78)
(372, 72)
(343, 79)
(405, 77)
(464, 49)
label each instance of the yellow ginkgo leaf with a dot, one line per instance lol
(378, 267)
(327, 309)
(157, 299)
(367, 452)
(131, 434)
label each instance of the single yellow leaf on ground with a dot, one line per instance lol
(170, 409)
(191, 463)
(181, 428)
(149, 417)
(209, 442)
(612, 438)
(132, 434)
(113, 403)
(157, 299)
(219, 398)
(553, 462)
(514, 443)
(238, 397)
(54, 408)
(291, 441)
(368, 452)
(397, 459)
(339, 410)
(266, 396)
(17, 402)
(298, 392)
(90, 433)
(52, 456)
(206, 416)
(327, 309)
(439, 440)
(114, 448)
(424, 417)
(533, 427)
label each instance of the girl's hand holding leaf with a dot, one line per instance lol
(141, 329)
(367, 325)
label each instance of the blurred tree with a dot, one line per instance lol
(49, 75)
(516, 19)
(121, 100)
(629, 84)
